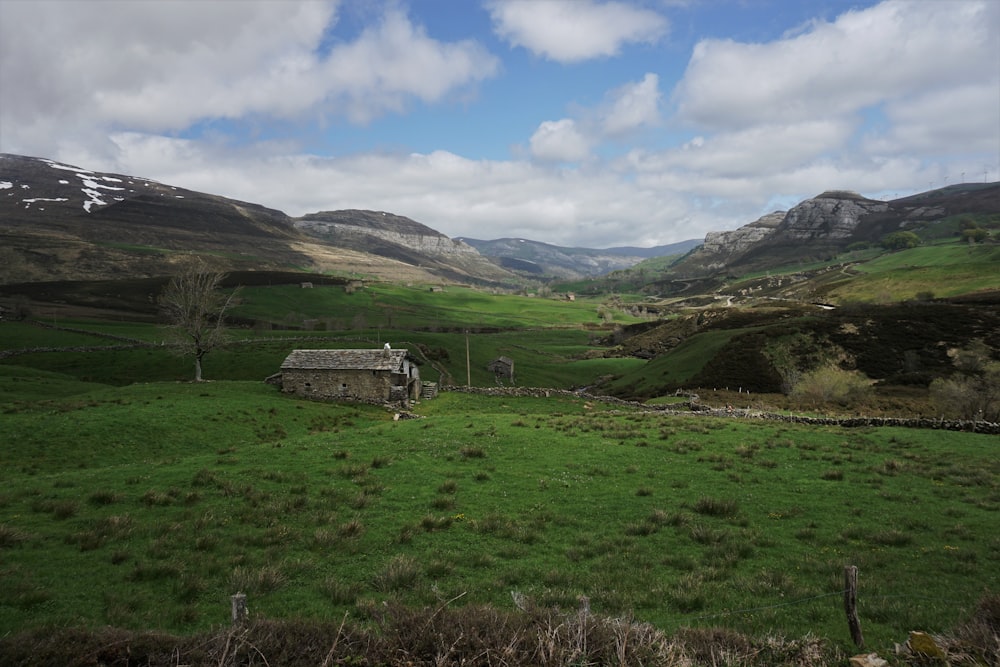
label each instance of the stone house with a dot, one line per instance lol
(370, 376)
(502, 368)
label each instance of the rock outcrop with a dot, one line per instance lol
(402, 239)
(728, 245)
(830, 216)
(819, 224)
(353, 225)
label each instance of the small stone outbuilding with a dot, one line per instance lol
(502, 368)
(370, 376)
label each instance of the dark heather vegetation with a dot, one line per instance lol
(550, 528)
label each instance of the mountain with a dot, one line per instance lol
(537, 259)
(820, 227)
(60, 221)
(399, 238)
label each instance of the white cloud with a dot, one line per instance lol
(633, 106)
(884, 99)
(624, 110)
(559, 141)
(175, 63)
(396, 61)
(966, 119)
(455, 195)
(571, 31)
(756, 150)
(888, 51)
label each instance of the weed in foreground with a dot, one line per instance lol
(402, 572)
(11, 537)
(265, 579)
(716, 507)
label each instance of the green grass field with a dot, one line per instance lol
(147, 506)
(400, 307)
(938, 271)
(131, 497)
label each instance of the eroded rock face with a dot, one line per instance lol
(357, 225)
(738, 241)
(832, 216)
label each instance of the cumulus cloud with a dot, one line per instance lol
(633, 106)
(453, 194)
(559, 141)
(888, 51)
(396, 61)
(570, 31)
(624, 110)
(879, 100)
(966, 119)
(755, 150)
(177, 63)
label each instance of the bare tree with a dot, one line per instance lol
(195, 309)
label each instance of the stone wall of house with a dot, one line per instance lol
(350, 385)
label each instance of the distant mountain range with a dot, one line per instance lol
(827, 224)
(62, 222)
(542, 259)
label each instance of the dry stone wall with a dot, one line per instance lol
(693, 408)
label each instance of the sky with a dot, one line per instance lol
(581, 123)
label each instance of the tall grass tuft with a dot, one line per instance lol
(402, 572)
(716, 507)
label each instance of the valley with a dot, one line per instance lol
(622, 489)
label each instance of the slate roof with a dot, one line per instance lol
(369, 360)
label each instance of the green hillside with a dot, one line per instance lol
(170, 497)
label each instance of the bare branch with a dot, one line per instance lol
(195, 308)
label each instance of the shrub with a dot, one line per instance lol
(900, 241)
(832, 384)
(975, 235)
(974, 391)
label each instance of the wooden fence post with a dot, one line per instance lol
(851, 604)
(239, 604)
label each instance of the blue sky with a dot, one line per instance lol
(590, 123)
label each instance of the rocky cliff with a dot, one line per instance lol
(399, 238)
(354, 225)
(813, 228)
(722, 247)
(832, 216)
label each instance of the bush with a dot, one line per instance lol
(900, 241)
(975, 235)
(968, 396)
(832, 384)
(973, 392)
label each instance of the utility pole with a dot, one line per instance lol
(468, 366)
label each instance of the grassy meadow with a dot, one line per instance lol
(947, 271)
(415, 307)
(130, 497)
(147, 506)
